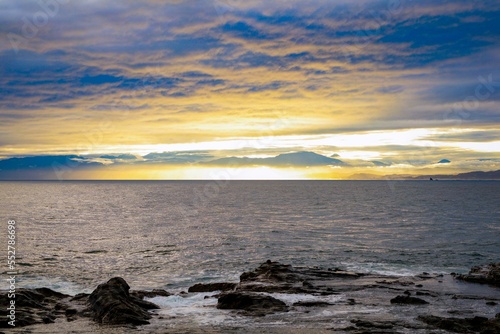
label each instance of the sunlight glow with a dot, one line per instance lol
(366, 139)
(241, 173)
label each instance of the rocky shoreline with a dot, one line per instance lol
(276, 298)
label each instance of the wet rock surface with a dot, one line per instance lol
(487, 274)
(111, 303)
(408, 300)
(253, 304)
(150, 294)
(476, 324)
(210, 287)
(279, 298)
(37, 306)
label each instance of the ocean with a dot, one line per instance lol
(73, 235)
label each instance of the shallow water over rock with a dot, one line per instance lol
(278, 298)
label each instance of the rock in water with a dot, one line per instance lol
(276, 273)
(488, 274)
(150, 294)
(408, 300)
(467, 325)
(36, 306)
(251, 303)
(111, 303)
(270, 271)
(210, 287)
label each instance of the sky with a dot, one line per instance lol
(248, 89)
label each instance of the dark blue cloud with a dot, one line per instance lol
(183, 45)
(30, 63)
(195, 74)
(148, 82)
(100, 79)
(30, 78)
(278, 19)
(392, 89)
(247, 60)
(275, 85)
(211, 82)
(441, 37)
(414, 42)
(244, 30)
(423, 39)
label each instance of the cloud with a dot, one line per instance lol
(123, 157)
(181, 72)
(178, 157)
(244, 30)
(468, 136)
(381, 163)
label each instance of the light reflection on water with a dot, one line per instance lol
(175, 233)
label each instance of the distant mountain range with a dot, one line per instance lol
(492, 175)
(477, 175)
(46, 162)
(299, 159)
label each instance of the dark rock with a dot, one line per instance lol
(488, 274)
(271, 271)
(150, 294)
(35, 306)
(48, 320)
(60, 306)
(70, 312)
(307, 284)
(29, 298)
(80, 296)
(111, 303)
(408, 300)
(275, 272)
(210, 287)
(467, 325)
(253, 304)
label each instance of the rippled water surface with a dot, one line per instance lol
(74, 235)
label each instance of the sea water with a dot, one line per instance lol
(72, 236)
